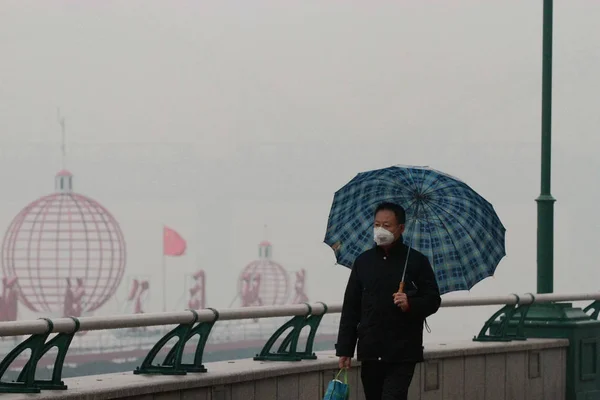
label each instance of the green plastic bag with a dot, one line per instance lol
(338, 390)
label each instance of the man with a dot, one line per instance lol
(387, 324)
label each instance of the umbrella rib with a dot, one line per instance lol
(358, 180)
(424, 190)
(483, 254)
(465, 187)
(427, 191)
(453, 243)
(376, 200)
(411, 178)
(433, 190)
(489, 210)
(420, 190)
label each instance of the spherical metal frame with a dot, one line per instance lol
(81, 226)
(277, 269)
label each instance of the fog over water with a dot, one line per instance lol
(217, 118)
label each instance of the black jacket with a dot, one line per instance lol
(369, 315)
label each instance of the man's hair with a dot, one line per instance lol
(398, 211)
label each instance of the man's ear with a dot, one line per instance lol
(402, 228)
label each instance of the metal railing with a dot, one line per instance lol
(68, 325)
(192, 323)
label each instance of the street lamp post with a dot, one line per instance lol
(554, 320)
(545, 202)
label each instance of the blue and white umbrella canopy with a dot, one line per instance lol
(456, 228)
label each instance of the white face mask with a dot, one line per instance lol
(383, 237)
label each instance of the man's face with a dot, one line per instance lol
(387, 220)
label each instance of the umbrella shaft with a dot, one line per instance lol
(401, 289)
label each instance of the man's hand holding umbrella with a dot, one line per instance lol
(401, 300)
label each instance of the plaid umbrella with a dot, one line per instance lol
(446, 220)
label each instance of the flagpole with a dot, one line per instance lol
(164, 272)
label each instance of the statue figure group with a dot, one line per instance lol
(73, 303)
(9, 299)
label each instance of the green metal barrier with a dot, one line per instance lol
(595, 308)
(203, 330)
(491, 332)
(288, 350)
(173, 364)
(26, 382)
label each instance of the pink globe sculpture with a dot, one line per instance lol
(61, 241)
(263, 282)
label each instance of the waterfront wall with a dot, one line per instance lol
(534, 369)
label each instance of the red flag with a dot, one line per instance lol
(173, 243)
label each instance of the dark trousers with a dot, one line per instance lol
(386, 381)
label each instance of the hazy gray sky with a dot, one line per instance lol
(218, 117)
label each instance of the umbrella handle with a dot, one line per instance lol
(401, 289)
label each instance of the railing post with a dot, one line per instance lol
(203, 330)
(62, 342)
(26, 382)
(173, 364)
(288, 349)
(595, 306)
(181, 332)
(496, 329)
